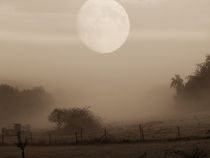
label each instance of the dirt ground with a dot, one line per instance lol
(154, 150)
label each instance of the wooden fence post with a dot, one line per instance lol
(50, 138)
(76, 138)
(2, 139)
(105, 133)
(106, 136)
(141, 132)
(31, 138)
(178, 132)
(81, 134)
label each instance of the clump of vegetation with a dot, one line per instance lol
(196, 153)
(20, 144)
(73, 119)
(195, 90)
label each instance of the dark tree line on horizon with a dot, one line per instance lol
(34, 106)
(26, 104)
(194, 91)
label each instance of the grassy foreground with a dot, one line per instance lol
(154, 150)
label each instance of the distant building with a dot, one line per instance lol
(14, 128)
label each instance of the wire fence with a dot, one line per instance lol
(137, 133)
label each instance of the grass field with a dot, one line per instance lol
(154, 150)
(192, 126)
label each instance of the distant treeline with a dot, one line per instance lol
(27, 104)
(194, 91)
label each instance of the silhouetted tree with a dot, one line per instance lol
(58, 117)
(177, 83)
(196, 90)
(20, 144)
(200, 80)
(74, 119)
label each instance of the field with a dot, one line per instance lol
(160, 136)
(154, 150)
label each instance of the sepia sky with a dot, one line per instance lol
(39, 45)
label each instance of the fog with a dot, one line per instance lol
(132, 83)
(118, 86)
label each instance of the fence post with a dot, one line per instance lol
(141, 132)
(31, 138)
(178, 132)
(2, 139)
(76, 138)
(81, 134)
(50, 138)
(105, 134)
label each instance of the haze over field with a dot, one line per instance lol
(39, 45)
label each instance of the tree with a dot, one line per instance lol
(58, 117)
(200, 80)
(195, 91)
(178, 83)
(74, 119)
(17, 105)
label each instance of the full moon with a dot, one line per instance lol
(103, 25)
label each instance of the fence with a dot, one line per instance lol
(138, 133)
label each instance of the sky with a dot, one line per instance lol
(39, 45)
